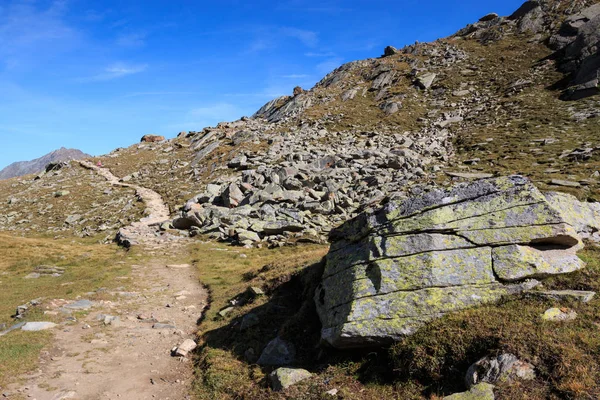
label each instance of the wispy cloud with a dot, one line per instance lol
(308, 38)
(116, 71)
(317, 54)
(29, 32)
(295, 76)
(136, 39)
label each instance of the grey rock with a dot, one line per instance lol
(390, 51)
(469, 175)
(80, 305)
(503, 368)
(37, 326)
(488, 17)
(160, 325)
(560, 182)
(277, 352)
(390, 271)
(12, 328)
(425, 80)
(282, 378)
(563, 295)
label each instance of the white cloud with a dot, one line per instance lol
(116, 71)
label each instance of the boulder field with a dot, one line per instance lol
(391, 271)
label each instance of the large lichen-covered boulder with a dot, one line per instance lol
(390, 272)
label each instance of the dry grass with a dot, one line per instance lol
(88, 266)
(28, 206)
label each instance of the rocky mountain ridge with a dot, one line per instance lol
(22, 168)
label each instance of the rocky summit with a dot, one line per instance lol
(392, 271)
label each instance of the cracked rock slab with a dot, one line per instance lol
(391, 271)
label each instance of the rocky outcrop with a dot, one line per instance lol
(577, 41)
(390, 272)
(152, 138)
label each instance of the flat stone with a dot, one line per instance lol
(80, 305)
(37, 326)
(226, 311)
(282, 378)
(160, 325)
(467, 175)
(561, 295)
(560, 182)
(12, 328)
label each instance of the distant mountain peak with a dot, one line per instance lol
(21, 168)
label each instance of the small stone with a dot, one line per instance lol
(282, 378)
(332, 392)
(505, 367)
(255, 291)
(184, 348)
(425, 80)
(226, 311)
(278, 352)
(559, 314)
(160, 325)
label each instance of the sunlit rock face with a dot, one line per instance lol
(390, 272)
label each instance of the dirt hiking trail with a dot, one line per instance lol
(122, 347)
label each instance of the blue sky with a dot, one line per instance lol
(97, 75)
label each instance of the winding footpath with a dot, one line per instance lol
(129, 357)
(143, 231)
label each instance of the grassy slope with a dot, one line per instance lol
(432, 363)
